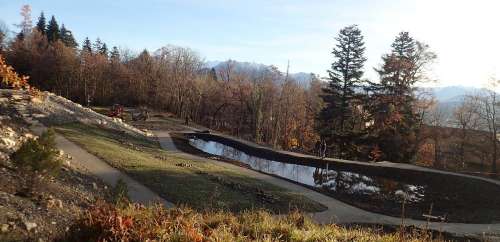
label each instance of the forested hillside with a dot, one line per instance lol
(356, 118)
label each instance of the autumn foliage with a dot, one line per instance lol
(105, 222)
(10, 77)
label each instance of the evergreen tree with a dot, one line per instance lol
(213, 74)
(67, 37)
(87, 45)
(97, 45)
(396, 71)
(41, 25)
(392, 102)
(53, 32)
(337, 118)
(115, 54)
(104, 50)
(20, 36)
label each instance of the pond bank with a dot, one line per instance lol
(342, 213)
(451, 199)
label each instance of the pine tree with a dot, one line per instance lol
(392, 101)
(97, 45)
(115, 54)
(396, 71)
(67, 37)
(213, 74)
(104, 50)
(337, 118)
(41, 25)
(404, 45)
(53, 32)
(87, 45)
(20, 36)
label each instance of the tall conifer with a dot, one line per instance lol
(53, 31)
(67, 37)
(115, 54)
(87, 45)
(104, 50)
(337, 118)
(392, 104)
(41, 25)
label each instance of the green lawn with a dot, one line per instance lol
(197, 184)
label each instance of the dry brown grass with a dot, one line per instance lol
(105, 222)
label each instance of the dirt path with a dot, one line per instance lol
(110, 175)
(339, 212)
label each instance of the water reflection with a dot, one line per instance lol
(327, 179)
(453, 197)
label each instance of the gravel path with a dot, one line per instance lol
(339, 212)
(110, 175)
(58, 108)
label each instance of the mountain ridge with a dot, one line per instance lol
(452, 94)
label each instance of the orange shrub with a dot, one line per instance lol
(11, 78)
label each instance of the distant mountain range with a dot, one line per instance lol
(449, 96)
(302, 78)
(451, 93)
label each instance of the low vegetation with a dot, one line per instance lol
(9, 77)
(38, 158)
(198, 184)
(39, 155)
(134, 222)
(120, 193)
(35, 203)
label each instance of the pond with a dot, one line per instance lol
(455, 200)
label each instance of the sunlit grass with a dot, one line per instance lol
(201, 185)
(137, 223)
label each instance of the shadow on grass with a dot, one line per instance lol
(197, 184)
(213, 191)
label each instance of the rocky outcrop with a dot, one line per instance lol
(12, 132)
(44, 208)
(52, 109)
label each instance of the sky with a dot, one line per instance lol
(463, 33)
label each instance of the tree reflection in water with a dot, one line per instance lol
(453, 197)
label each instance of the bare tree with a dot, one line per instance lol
(428, 112)
(466, 118)
(26, 24)
(4, 31)
(438, 122)
(489, 114)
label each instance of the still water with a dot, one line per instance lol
(452, 200)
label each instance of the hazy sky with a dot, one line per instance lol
(464, 34)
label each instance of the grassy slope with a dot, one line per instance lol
(201, 185)
(134, 223)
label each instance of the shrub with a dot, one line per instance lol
(10, 78)
(120, 193)
(48, 139)
(39, 155)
